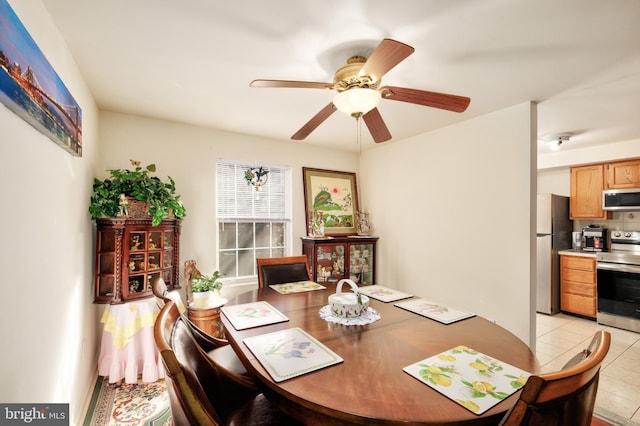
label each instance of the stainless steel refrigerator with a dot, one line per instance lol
(553, 235)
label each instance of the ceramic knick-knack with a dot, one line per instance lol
(316, 224)
(362, 223)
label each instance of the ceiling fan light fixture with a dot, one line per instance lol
(357, 101)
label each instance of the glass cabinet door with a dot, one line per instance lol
(330, 262)
(361, 263)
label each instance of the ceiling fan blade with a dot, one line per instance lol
(291, 83)
(387, 55)
(315, 121)
(422, 97)
(377, 128)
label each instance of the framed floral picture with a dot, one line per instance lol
(335, 195)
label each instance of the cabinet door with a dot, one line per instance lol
(361, 263)
(623, 174)
(587, 183)
(330, 262)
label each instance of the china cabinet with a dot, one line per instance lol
(131, 254)
(334, 258)
(578, 285)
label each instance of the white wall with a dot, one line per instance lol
(49, 324)
(188, 154)
(554, 181)
(454, 212)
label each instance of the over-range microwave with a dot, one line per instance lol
(621, 199)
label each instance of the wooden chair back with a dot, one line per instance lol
(566, 397)
(188, 398)
(278, 270)
(198, 392)
(159, 290)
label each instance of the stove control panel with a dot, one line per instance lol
(626, 236)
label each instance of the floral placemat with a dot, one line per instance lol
(367, 318)
(296, 287)
(255, 314)
(289, 353)
(470, 378)
(382, 293)
(434, 310)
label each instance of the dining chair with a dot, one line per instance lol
(278, 270)
(566, 397)
(198, 393)
(218, 349)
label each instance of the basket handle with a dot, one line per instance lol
(353, 285)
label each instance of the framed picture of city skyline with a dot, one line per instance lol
(31, 88)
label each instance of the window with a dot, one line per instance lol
(251, 223)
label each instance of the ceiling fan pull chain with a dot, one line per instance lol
(359, 133)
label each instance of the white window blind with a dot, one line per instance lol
(239, 201)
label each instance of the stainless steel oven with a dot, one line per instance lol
(619, 282)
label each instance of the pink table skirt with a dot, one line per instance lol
(128, 348)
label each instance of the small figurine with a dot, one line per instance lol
(122, 209)
(135, 242)
(190, 272)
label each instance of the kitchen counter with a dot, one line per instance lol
(578, 252)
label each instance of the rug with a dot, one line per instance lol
(136, 404)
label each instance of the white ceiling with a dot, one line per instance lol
(192, 61)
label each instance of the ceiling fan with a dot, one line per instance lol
(357, 83)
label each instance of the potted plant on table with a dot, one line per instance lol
(116, 195)
(205, 286)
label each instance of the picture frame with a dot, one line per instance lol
(31, 88)
(335, 195)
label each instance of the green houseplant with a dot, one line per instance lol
(203, 286)
(109, 195)
(204, 283)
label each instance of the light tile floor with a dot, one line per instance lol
(561, 336)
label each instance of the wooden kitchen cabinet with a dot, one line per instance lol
(131, 254)
(334, 258)
(587, 184)
(578, 285)
(623, 174)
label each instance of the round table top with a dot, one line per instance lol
(370, 386)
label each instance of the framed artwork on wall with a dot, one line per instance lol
(335, 195)
(30, 87)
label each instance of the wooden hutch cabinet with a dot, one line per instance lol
(131, 254)
(334, 258)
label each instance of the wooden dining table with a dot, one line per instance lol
(370, 386)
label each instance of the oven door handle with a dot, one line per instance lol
(618, 267)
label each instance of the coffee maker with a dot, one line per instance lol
(594, 238)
